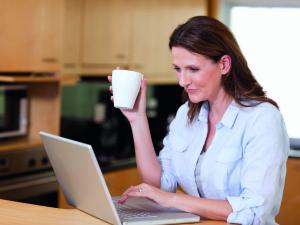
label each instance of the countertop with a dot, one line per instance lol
(294, 153)
(16, 213)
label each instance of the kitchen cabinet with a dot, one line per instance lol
(117, 182)
(72, 37)
(133, 34)
(153, 22)
(30, 35)
(30, 55)
(106, 35)
(289, 211)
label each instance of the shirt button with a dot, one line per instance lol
(219, 125)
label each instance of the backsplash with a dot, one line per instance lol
(88, 116)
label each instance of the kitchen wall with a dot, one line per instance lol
(88, 115)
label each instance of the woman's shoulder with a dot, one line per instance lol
(262, 113)
(260, 108)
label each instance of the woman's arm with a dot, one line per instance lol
(265, 148)
(208, 208)
(147, 162)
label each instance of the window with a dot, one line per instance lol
(269, 38)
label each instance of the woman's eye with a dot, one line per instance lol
(177, 69)
(192, 69)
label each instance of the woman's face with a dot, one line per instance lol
(198, 75)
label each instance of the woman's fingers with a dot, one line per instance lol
(133, 191)
(144, 89)
(123, 199)
(125, 195)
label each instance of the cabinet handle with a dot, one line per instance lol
(69, 65)
(50, 60)
(91, 65)
(120, 56)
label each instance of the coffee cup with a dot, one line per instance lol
(125, 86)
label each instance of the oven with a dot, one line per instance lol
(26, 176)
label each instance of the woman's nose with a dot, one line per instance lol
(183, 80)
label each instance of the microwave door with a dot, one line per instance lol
(13, 113)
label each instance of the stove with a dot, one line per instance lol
(26, 175)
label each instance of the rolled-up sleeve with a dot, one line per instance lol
(265, 148)
(168, 181)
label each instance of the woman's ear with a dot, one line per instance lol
(225, 64)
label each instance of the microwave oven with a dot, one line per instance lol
(13, 110)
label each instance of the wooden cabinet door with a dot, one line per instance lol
(30, 35)
(72, 36)
(50, 34)
(289, 211)
(106, 35)
(119, 181)
(153, 23)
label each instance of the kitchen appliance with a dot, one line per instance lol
(27, 176)
(13, 110)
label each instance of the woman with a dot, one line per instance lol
(227, 147)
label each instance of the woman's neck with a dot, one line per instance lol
(218, 107)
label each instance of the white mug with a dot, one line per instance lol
(125, 86)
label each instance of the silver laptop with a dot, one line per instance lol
(84, 187)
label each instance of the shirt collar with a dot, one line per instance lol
(228, 118)
(230, 114)
(203, 114)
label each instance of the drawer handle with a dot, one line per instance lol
(100, 65)
(50, 60)
(137, 66)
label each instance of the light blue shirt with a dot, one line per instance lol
(245, 163)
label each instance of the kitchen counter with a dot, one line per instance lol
(16, 213)
(294, 153)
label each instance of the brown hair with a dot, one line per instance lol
(209, 37)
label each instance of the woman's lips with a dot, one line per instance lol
(190, 91)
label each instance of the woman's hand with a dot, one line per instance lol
(163, 198)
(139, 108)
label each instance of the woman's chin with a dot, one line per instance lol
(195, 100)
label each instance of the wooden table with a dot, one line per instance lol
(16, 213)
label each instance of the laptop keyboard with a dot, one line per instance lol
(126, 212)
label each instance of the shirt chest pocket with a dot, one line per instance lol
(183, 137)
(227, 170)
(180, 143)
